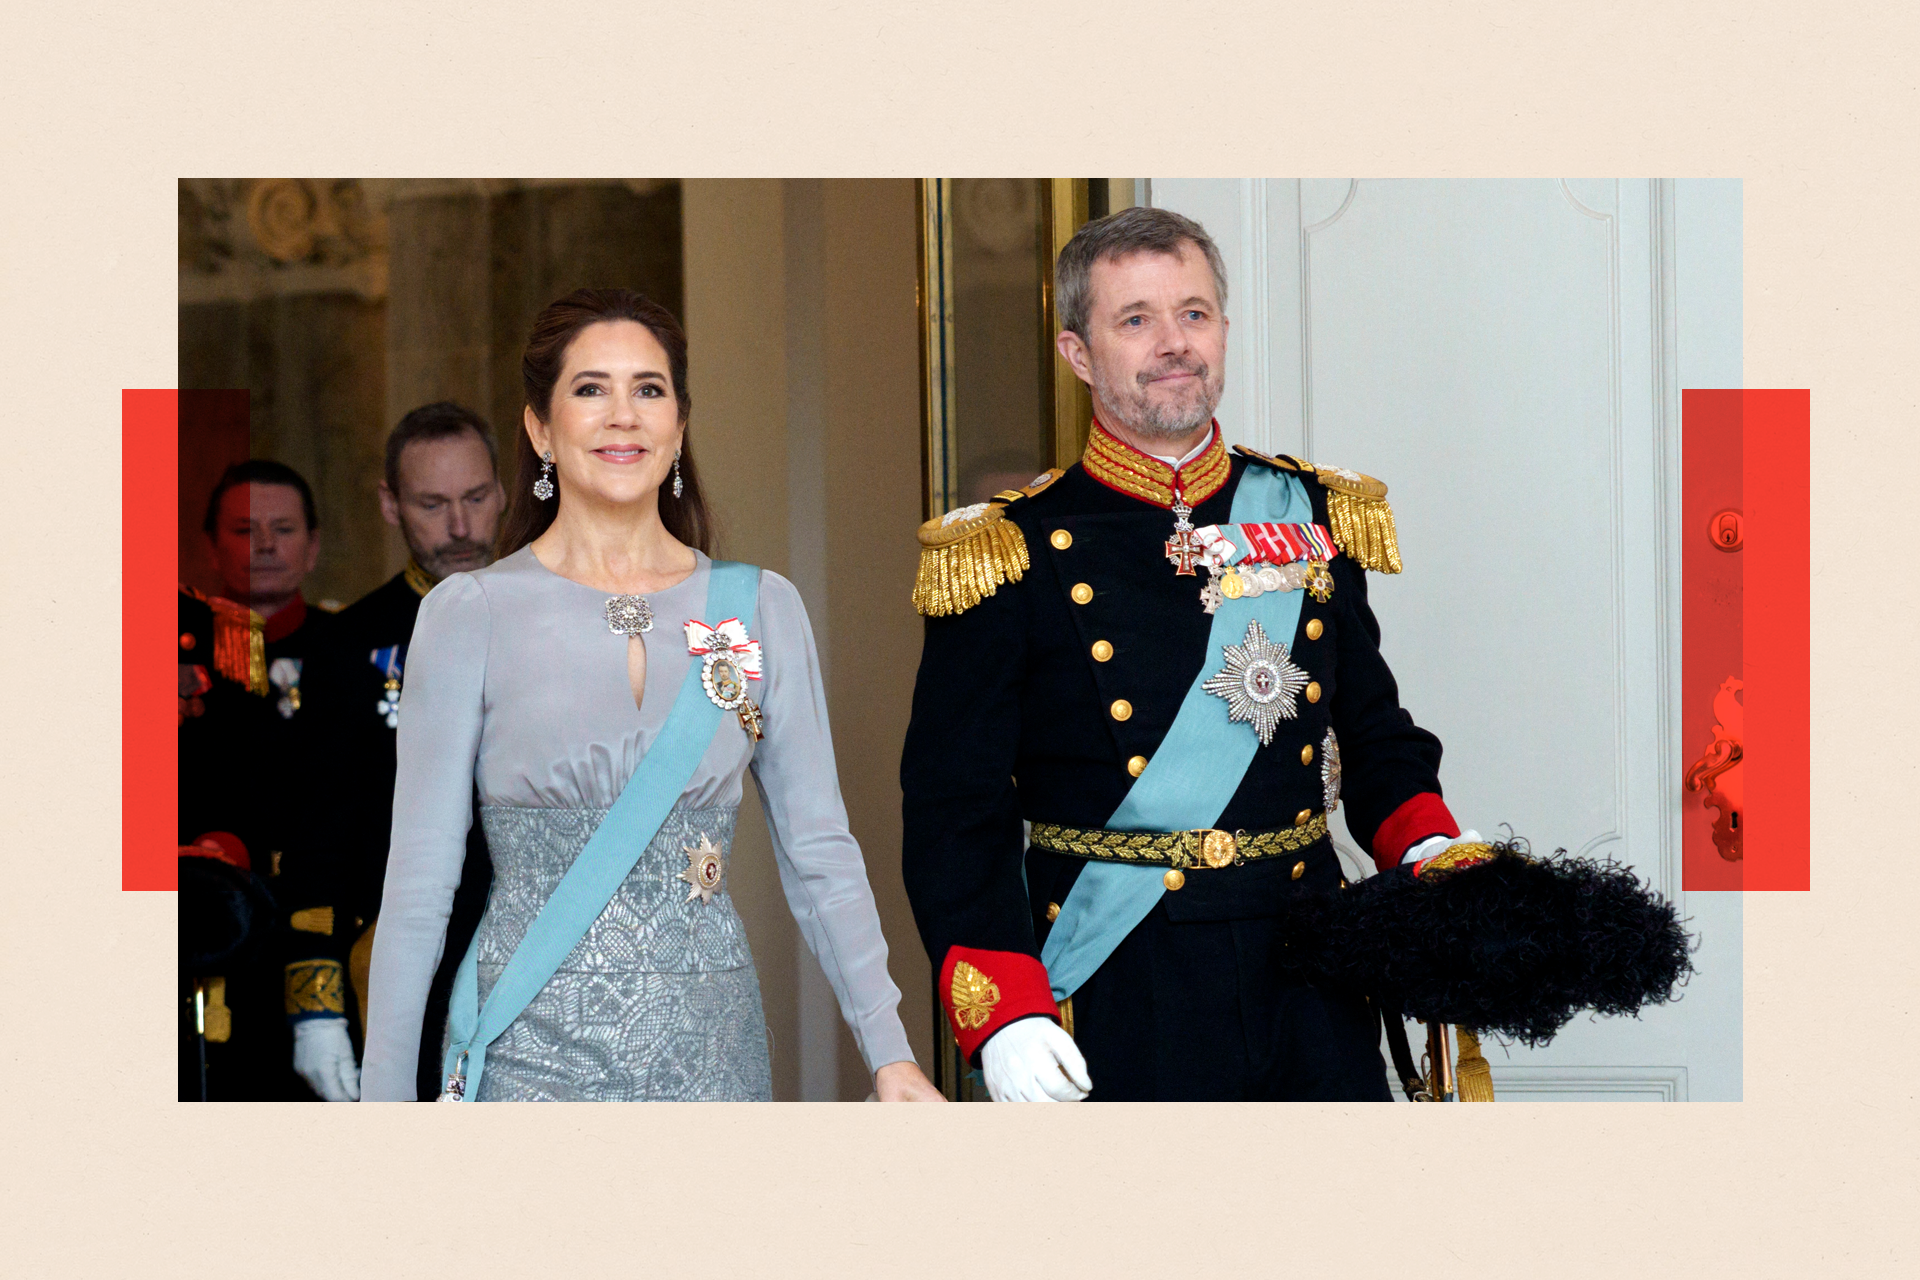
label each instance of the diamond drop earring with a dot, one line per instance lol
(543, 487)
(678, 486)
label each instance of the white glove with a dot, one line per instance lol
(1435, 845)
(1033, 1060)
(323, 1057)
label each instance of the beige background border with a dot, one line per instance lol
(106, 105)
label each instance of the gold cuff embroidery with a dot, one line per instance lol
(973, 994)
(316, 986)
(313, 920)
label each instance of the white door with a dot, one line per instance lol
(1508, 357)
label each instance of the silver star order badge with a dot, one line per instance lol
(1330, 772)
(1260, 683)
(705, 869)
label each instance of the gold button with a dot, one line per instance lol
(1137, 766)
(1306, 754)
(1313, 691)
(1174, 879)
(1061, 539)
(1121, 709)
(1102, 651)
(1053, 911)
(1299, 869)
(1081, 593)
(1303, 817)
(1314, 628)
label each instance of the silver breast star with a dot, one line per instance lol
(705, 869)
(1260, 683)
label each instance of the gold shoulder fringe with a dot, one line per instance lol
(239, 644)
(965, 560)
(1361, 520)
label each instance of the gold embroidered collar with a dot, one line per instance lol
(419, 579)
(1120, 466)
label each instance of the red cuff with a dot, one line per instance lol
(1424, 815)
(985, 990)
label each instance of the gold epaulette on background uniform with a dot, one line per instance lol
(239, 644)
(966, 554)
(1357, 511)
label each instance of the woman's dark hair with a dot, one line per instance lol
(554, 330)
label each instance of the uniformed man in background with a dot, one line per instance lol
(243, 761)
(1163, 659)
(441, 489)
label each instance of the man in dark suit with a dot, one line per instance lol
(1162, 659)
(441, 489)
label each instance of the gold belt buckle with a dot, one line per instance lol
(1211, 847)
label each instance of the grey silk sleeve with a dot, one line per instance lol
(820, 866)
(439, 735)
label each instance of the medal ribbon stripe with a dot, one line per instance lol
(1265, 542)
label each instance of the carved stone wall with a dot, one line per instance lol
(342, 303)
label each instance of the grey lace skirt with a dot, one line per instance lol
(658, 1001)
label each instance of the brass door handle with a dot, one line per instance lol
(1720, 757)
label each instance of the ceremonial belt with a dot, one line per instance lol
(1192, 775)
(1200, 848)
(656, 785)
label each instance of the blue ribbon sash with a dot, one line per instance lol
(610, 854)
(1194, 772)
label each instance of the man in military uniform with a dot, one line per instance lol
(233, 1036)
(243, 751)
(442, 491)
(1163, 660)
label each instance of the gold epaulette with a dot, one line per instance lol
(1357, 512)
(966, 554)
(239, 644)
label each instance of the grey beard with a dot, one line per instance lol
(439, 560)
(1157, 421)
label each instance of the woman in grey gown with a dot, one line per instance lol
(517, 684)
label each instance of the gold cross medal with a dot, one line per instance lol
(728, 659)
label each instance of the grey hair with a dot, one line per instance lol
(1141, 229)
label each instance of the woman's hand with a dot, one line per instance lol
(904, 1082)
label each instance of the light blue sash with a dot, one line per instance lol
(616, 845)
(1193, 773)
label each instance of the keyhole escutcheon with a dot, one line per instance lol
(1725, 530)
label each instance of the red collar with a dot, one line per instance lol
(287, 621)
